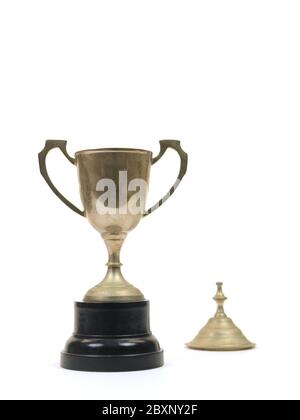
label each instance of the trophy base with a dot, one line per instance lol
(112, 337)
(112, 363)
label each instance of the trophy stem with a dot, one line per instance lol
(114, 244)
(114, 287)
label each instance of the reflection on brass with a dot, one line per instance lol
(102, 164)
(220, 333)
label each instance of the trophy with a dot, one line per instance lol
(112, 329)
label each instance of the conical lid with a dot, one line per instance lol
(220, 333)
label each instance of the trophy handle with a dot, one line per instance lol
(164, 145)
(62, 145)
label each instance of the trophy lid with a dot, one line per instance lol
(220, 333)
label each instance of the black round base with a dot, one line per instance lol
(112, 337)
(112, 363)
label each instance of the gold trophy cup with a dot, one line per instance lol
(112, 330)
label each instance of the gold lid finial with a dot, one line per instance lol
(220, 333)
(220, 299)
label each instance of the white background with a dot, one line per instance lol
(224, 78)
